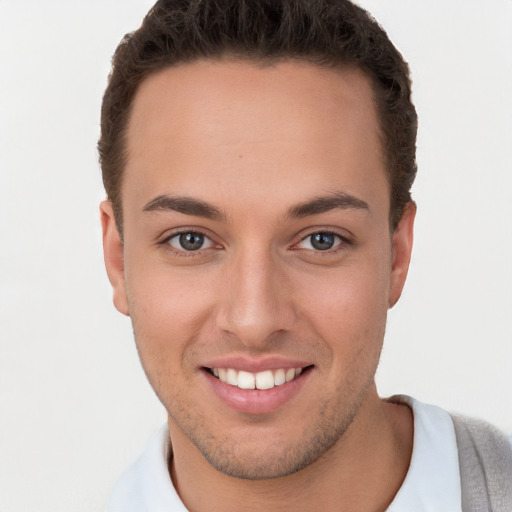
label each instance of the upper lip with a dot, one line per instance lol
(255, 365)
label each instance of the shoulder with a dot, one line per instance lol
(485, 459)
(467, 462)
(432, 481)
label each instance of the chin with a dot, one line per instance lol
(269, 455)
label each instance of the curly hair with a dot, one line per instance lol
(329, 33)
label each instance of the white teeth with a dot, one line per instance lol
(279, 377)
(246, 380)
(231, 377)
(290, 374)
(266, 379)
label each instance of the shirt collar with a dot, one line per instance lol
(432, 483)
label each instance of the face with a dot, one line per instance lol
(258, 263)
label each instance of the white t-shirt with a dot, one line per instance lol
(432, 483)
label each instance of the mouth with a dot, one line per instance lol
(262, 380)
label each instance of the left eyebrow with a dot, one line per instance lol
(185, 205)
(338, 200)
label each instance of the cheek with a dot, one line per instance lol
(164, 294)
(169, 311)
(349, 307)
(346, 294)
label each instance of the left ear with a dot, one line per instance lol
(402, 248)
(114, 259)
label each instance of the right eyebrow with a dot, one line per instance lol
(185, 205)
(318, 205)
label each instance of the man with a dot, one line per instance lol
(258, 158)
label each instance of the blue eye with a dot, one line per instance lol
(321, 241)
(190, 241)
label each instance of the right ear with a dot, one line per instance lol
(113, 255)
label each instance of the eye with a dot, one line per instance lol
(190, 241)
(321, 241)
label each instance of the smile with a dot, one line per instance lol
(266, 379)
(256, 387)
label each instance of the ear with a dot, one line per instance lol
(113, 255)
(402, 248)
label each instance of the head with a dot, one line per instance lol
(331, 34)
(258, 161)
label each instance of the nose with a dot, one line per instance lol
(256, 300)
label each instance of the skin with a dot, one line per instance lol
(256, 142)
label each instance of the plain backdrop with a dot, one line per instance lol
(75, 407)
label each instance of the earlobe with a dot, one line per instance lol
(402, 249)
(113, 255)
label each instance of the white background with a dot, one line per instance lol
(75, 407)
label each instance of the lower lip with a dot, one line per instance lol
(256, 401)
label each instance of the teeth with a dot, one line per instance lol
(265, 380)
(279, 377)
(246, 380)
(232, 377)
(262, 380)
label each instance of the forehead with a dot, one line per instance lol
(227, 125)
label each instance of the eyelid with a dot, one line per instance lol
(166, 235)
(337, 241)
(176, 232)
(344, 238)
(207, 241)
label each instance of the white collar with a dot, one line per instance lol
(146, 485)
(432, 483)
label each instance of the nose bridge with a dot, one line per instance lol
(255, 301)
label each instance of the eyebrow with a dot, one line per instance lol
(338, 200)
(199, 208)
(185, 205)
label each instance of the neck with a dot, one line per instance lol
(362, 471)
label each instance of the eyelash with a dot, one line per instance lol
(182, 252)
(342, 241)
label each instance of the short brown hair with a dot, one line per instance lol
(325, 32)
